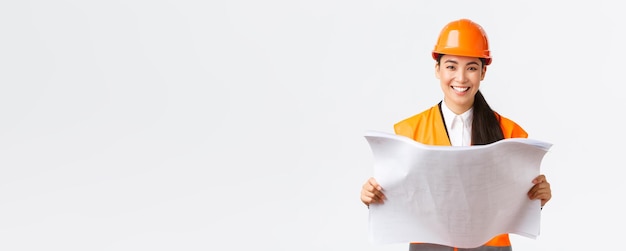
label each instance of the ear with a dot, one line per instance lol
(482, 76)
(437, 70)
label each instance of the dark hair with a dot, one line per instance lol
(485, 124)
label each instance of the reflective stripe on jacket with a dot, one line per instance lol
(428, 128)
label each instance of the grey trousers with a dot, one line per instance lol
(437, 247)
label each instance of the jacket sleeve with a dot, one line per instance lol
(510, 129)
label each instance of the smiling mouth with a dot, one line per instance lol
(460, 89)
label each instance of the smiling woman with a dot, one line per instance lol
(463, 117)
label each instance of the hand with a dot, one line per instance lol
(372, 192)
(541, 190)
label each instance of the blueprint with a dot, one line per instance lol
(454, 196)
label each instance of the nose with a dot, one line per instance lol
(461, 76)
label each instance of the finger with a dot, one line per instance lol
(374, 193)
(379, 195)
(369, 198)
(539, 179)
(377, 189)
(374, 187)
(540, 191)
(374, 184)
(538, 188)
(371, 192)
(544, 201)
(544, 197)
(540, 194)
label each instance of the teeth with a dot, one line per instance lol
(459, 89)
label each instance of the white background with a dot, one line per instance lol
(238, 125)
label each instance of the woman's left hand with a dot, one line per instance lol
(541, 190)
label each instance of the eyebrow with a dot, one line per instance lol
(455, 62)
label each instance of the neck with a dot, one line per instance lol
(456, 108)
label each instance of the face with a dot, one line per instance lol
(460, 78)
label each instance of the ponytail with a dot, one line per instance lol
(485, 124)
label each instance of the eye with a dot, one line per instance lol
(450, 67)
(472, 68)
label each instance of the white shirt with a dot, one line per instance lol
(459, 126)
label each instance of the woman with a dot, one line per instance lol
(463, 117)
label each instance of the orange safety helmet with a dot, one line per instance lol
(463, 38)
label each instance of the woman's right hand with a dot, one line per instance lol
(372, 192)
